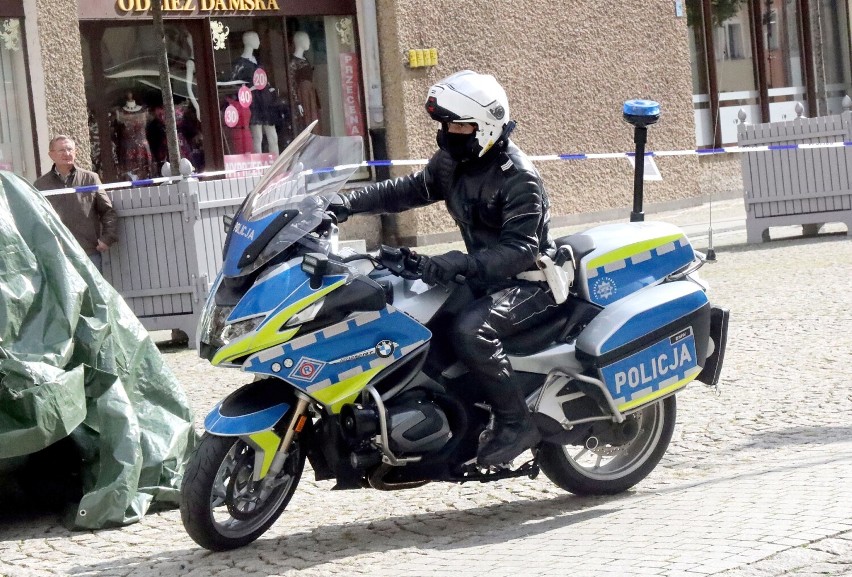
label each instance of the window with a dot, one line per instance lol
(734, 41)
(755, 56)
(127, 115)
(16, 135)
(266, 99)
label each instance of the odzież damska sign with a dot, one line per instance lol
(197, 6)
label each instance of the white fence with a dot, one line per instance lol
(798, 186)
(170, 248)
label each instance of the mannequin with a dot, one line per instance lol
(305, 96)
(262, 108)
(187, 129)
(134, 154)
(130, 104)
(301, 44)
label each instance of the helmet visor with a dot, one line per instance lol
(438, 112)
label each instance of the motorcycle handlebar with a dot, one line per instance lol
(406, 263)
(401, 261)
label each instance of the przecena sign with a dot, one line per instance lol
(196, 6)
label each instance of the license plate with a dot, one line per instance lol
(652, 372)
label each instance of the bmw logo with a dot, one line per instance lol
(385, 348)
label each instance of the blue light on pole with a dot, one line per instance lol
(641, 114)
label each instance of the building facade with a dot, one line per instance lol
(246, 75)
(764, 57)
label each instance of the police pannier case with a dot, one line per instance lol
(649, 344)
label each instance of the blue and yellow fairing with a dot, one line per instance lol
(274, 300)
(333, 364)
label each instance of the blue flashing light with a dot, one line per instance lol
(642, 108)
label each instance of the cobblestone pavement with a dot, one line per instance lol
(757, 481)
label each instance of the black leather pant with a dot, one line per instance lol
(479, 331)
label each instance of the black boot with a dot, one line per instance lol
(514, 431)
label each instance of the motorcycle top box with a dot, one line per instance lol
(616, 260)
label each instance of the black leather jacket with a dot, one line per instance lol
(498, 202)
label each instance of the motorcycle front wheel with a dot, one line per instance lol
(222, 507)
(602, 466)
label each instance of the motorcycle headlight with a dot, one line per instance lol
(240, 328)
(216, 332)
(210, 328)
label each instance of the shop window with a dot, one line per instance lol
(16, 136)
(784, 70)
(126, 102)
(276, 76)
(835, 53)
(763, 57)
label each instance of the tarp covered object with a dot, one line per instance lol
(76, 362)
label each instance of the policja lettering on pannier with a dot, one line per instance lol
(668, 361)
(657, 367)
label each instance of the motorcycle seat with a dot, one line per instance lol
(538, 337)
(581, 244)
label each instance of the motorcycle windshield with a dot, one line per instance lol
(290, 200)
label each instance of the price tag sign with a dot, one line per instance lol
(244, 96)
(260, 79)
(232, 116)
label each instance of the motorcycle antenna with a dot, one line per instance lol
(711, 252)
(641, 114)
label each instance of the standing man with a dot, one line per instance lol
(88, 215)
(499, 203)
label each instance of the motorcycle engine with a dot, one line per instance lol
(414, 425)
(421, 428)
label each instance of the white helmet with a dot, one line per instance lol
(469, 97)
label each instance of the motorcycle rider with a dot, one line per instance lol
(499, 203)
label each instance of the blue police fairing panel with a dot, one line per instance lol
(261, 420)
(330, 364)
(242, 235)
(252, 408)
(277, 290)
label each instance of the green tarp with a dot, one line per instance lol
(75, 362)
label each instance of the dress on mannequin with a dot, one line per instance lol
(134, 154)
(187, 128)
(263, 104)
(305, 96)
(240, 137)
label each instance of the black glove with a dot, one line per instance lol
(443, 268)
(340, 208)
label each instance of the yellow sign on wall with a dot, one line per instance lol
(420, 57)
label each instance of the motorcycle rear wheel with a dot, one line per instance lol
(220, 506)
(607, 469)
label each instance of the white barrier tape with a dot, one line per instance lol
(539, 158)
(149, 181)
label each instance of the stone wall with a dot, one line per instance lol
(59, 36)
(567, 69)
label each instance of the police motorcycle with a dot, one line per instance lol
(353, 372)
